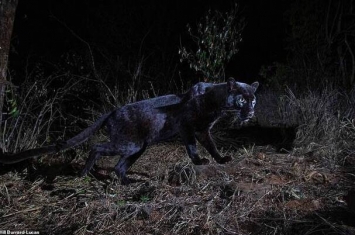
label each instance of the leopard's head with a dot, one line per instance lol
(242, 99)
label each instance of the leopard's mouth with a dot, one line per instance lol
(242, 119)
(244, 122)
(229, 108)
(246, 119)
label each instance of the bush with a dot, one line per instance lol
(217, 37)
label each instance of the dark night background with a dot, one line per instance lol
(133, 46)
(51, 32)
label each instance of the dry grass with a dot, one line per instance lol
(324, 120)
(260, 192)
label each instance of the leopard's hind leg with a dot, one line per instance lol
(96, 152)
(129, 152)
(127, 160)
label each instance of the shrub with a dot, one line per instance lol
(217, 37)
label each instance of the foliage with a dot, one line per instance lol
(217, 36)
(12, 106)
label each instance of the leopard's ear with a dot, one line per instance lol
(255, 85)
(231, 84)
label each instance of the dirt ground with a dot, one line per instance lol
(259, 192)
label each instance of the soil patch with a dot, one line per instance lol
(259, 192)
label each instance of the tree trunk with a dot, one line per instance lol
(7, 17)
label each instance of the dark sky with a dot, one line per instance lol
(264, 37)
(47, 29)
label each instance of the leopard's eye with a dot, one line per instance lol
(241, 100)
(253, 102)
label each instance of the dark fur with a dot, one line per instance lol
(134, 126)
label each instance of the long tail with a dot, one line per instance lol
(10, 158)
(85, 134)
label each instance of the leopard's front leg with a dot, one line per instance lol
(205, 139)
(188, 136)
